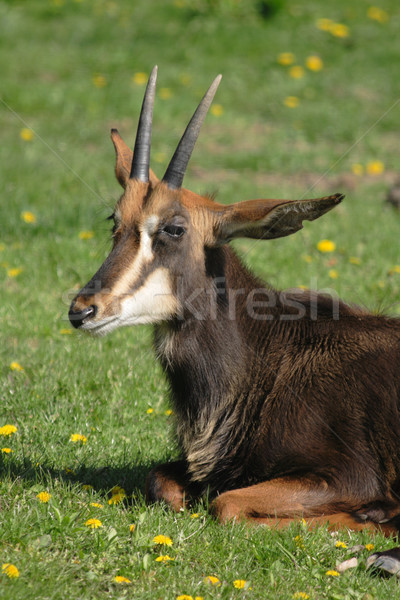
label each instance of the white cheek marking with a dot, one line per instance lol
(152, 303)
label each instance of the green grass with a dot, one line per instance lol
(50, 51)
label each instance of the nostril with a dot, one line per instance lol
(93, 313)
(78, 316)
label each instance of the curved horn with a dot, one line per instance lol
(141, 153)
(177, 167)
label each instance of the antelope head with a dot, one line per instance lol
(162, 232)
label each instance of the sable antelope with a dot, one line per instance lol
(287, 403)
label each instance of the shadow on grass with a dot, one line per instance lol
(102, 479)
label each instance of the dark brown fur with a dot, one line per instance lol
(287, 403)
(315, 398)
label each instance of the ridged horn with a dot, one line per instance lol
(141, 153)
(177, 167)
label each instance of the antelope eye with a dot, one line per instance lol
(175, 231)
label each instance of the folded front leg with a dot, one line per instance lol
(168, 482)
(284, 497)
(283, 500)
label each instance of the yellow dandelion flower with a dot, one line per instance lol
(93, 523)
(357, 169)
(165, 558)
(239, 584)
(339, 30)
(14, 272)
(395, 269)
(286, 58)
(99, 80)
(194, 516)
(86, 235)
(375, 167)
(165, 93)
(184, 597)
(324, 24)
(139, 78)
(217, 110)
(6, 450)
(65, 331)
(212, 580)
(297, 72)
(7, 430)
(162, 540)
(354, 260)
(369, 547)
(70, 471)
(333, 274)
(15, 366)
(340, 545)
(168, 412)
(302, 595)
(291, 101)
(44, 497)
(96, 505)
(26, 134)
(314, 63)
(118, 494)
(28, 216)
(121, 579)
(299, 541)
(10, 570)
(132, 527)
(150, 411)
(117, 498)
(326, 246)
(78, 437)
(377, 14)
(332, 573)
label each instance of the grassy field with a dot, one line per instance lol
(71, 70)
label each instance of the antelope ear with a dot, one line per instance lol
(124, 157)
(268, 219)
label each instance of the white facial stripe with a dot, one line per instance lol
(145, 247)
(143, 257)
(152, 303)
(151, 224)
